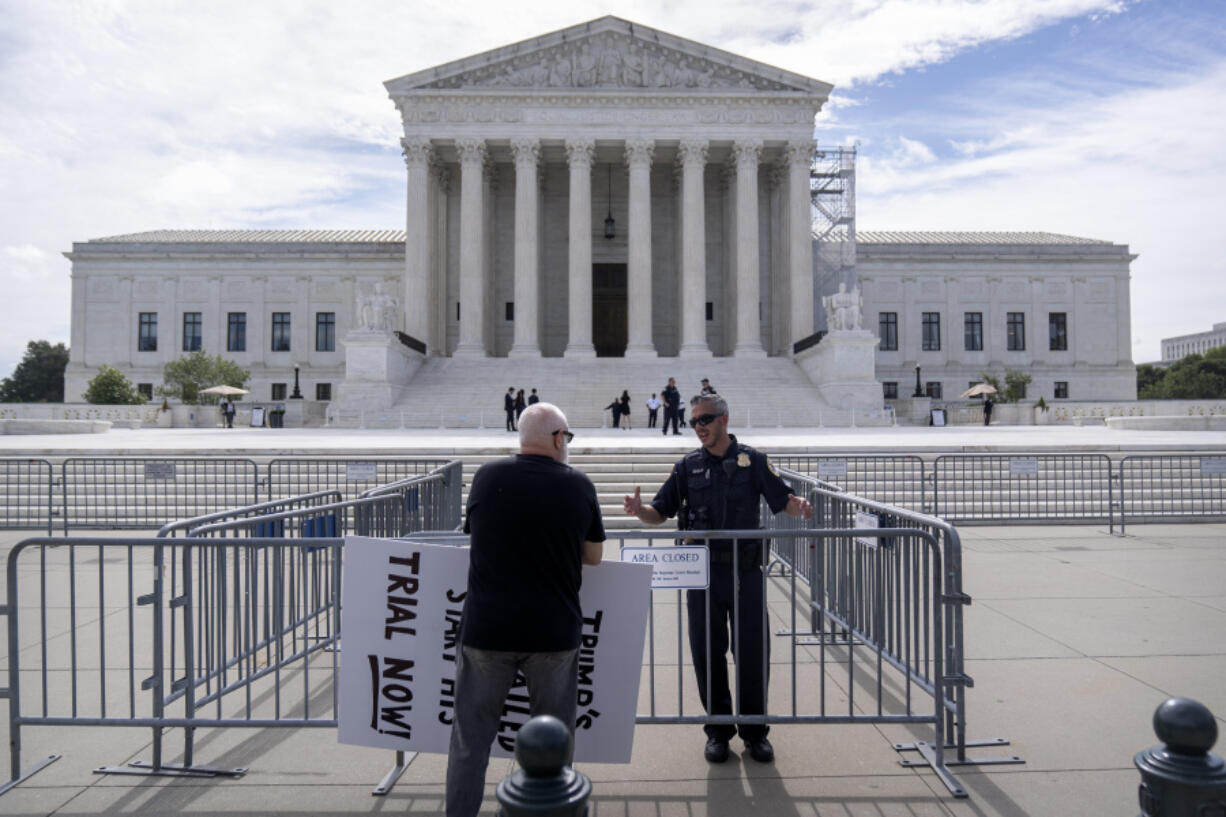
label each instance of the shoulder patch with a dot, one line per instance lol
(770, 466)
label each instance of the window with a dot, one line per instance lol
(323, 391)
(280, 332)
(710, 310)
(1062, 389)
(887, 330)
(325, 331)
(932, 332)
(1016, 331)
(191, 331)
(145, 390)
(972, 331)
(236, 332)
(147, 340)
(278, 391)
(510, 310)
(889, 389)
(1057, 331)
(933, 389)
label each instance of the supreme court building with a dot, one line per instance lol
(607, 190)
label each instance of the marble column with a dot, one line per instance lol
(748, 329)
(639, 343)
(579, 307)
(693, 295)
(414, 291)
(526, 342)
(472, 248)
(800, 241)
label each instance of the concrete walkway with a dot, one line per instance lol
(1073, 639)
(268, 442)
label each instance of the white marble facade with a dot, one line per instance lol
(515, 158)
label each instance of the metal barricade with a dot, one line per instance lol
(351, 476)
(139, 492)
(1172, 488)
(26, 494)
(233, 631)
(1022, 488)
(292, 503)
(897, 480)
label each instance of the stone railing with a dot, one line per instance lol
(117, 415)
(1086, 412)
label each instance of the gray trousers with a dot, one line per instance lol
(483, 679)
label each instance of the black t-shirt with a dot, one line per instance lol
(528, 517)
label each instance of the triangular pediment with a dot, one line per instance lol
(604, 55)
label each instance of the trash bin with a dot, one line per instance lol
(276, 417)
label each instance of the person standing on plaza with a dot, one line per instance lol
(520, 405)
(707, 388)
(672, 402)
(625, 401)
(508, 405)
(616, 408)
(653, 410)
(718, 487)
(533, 399)
(533, 521)
(228, 410)
(988, 403)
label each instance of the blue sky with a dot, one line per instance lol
(1100, 118)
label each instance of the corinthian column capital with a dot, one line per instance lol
(472, 151)
(692, 152)
(527, 152)
(800, 152)
(579, 152)
(640, 152)
(417, 152)
(746, 153)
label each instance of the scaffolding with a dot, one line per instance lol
(832, 188)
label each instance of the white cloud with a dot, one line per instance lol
(118, 117)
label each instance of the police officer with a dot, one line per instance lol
(716, 487)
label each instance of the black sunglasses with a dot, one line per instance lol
(569, 436)
(704, 420)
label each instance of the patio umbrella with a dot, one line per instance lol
(978, 389)
(223, 389)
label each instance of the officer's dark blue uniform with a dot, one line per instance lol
(721, 493)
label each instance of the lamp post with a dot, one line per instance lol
(297, 395)
(919, 392)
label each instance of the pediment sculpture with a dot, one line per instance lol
(608, 60)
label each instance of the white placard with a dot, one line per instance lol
(1212, 466)
(867, 520)
(160, 471)
(401, 620)
(683, 567)
(831, 468)
(360, 471)
(1023, 467)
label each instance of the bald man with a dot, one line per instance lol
(534, 521)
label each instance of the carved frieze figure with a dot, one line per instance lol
(844, 310)
(377, 311)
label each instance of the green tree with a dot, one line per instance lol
(1197, 377)
(110, 387)
(1015, 386)
(39, 377)
(186, 377)
(1149, 381)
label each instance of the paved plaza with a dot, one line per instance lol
(1073, 639)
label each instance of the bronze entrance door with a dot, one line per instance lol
(609, 309)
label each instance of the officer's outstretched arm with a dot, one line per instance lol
(633, 506)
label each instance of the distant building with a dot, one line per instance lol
(1175, 348)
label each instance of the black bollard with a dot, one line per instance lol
(544, 785)
(1182, 778)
